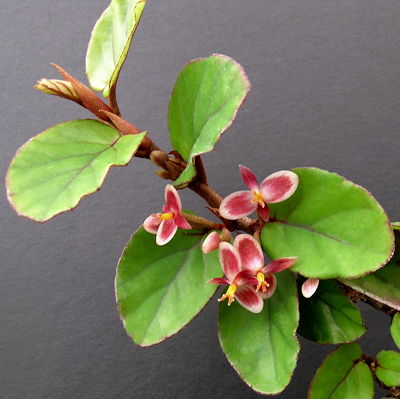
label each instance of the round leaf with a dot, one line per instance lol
(55, 169)
(384, 284)
(110, 42)
(329, 316)
(160, 289)
(395, 329)
(204, 102)
(343, 376)
(388, 370)
(334, 227)
(263, 347)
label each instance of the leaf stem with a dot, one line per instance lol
(113, 99)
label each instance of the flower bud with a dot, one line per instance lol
(58, 87)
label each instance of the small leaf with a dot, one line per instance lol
(343, 376)
(160, 289)
(55, 169)
(334, 227)
(110, 42)
(206, 97)
(263, 347)
(329, 316)
(384, 284)
(395, 329)
(388, 370)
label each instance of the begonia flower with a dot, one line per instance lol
(252, 259)
(241, 282)
(275, 188)
(309, 287)
(166, 224)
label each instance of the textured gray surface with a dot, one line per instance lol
(325, 93)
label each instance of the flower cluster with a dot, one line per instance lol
(249, 280)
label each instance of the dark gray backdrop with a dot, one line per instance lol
(326, 93)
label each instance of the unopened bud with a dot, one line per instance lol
(158, 158)
(58, 87)
(226, 235)
(163, 174)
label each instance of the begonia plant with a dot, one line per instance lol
(302, 219)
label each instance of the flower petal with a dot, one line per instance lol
(245, 278)
(263, 213)
(237, 205)
(309, 287)
(211, 242)
(219, 281)
(172, 199)
(248, 178)
(182, 223)
(152, 223)
(279, 186)
(247, 296)
(250, 252)
(279, 265)
(271, 280)
(166, 231)
(229, 259)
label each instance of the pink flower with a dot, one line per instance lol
(275, 188)
(249, 280)
(166, 223)
(252, 256)
(309, 287)
(241, 282)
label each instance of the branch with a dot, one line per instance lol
(358, 296)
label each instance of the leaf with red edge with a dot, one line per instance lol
(160, 289)
(343, 375)
(53, 171)
(263, 347)
(204, 102)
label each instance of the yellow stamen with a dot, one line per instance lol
(230, 292)
(261, 282)
(166, 216)
(257, 197)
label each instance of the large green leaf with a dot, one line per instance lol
(384, 284)
(329, 316)
(388, 370)
(110, 41)
(263, 347)
(206, 97)
(55, 169)
(343, 376)
(160, 289)
(334, 227)
(395, 329)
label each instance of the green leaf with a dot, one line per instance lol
(388, 370)
(329, 316)
(206, 97)
(160, 289)
(55, 169)
(395, 329)
(384, 284)
(343, 376)
(263, 347)
(334, 227)
(110, 42)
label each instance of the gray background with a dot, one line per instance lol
(325, 93)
